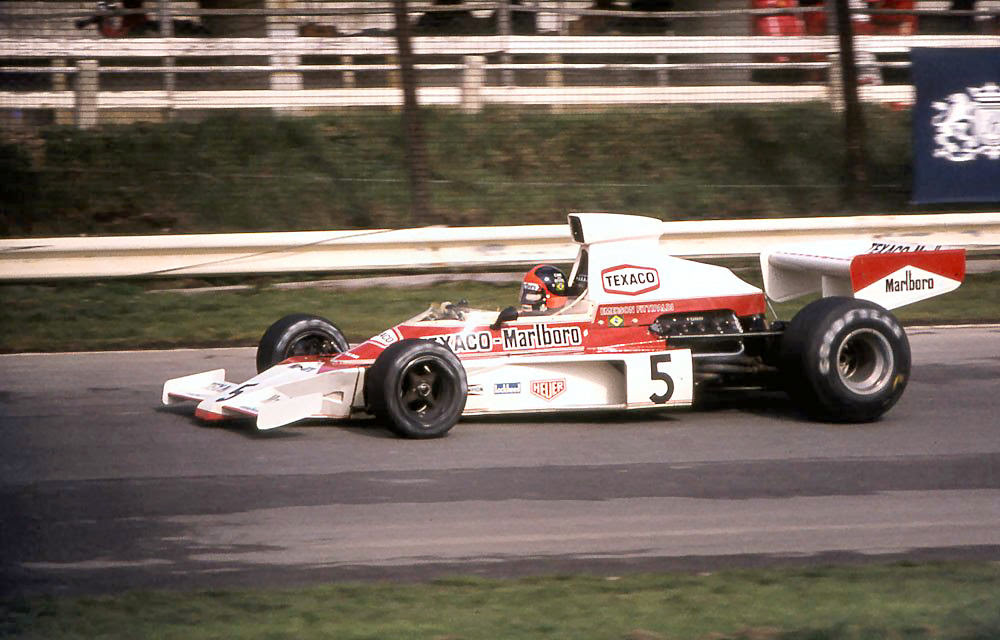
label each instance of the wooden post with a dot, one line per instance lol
(662, 75)
(348, 78)
(554, 78)
(835, 84)
(504, 28)
(166, 19)
(86, 89)
(394, 75)
(278, 27)
(473, 79)
(60, 83)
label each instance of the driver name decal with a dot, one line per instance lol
(630, 280)
(629, 309)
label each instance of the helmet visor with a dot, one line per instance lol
(532, 296)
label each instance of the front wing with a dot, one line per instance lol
(281, 395)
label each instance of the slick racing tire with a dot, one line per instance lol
(417, 388)
(844, 360)
(298, 334)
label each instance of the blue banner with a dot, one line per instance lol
(956, 125)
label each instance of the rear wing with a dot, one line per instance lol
(891, 274)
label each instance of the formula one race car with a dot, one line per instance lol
(630, 328)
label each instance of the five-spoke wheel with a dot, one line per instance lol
(417, 387)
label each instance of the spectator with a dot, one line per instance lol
(456, 22)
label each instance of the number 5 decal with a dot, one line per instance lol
(656, 374)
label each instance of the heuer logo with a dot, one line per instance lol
(630, 280)
(548, 389)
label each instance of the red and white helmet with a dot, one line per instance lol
(543, 289)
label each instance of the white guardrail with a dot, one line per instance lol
(470, 45)
(446, 248)
(470, 92)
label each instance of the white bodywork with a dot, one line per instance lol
(288, 393)
(628, 282)
(551, 383)
(624, 245)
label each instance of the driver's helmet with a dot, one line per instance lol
(543, 289)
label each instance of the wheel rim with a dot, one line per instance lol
(865, 361)
(311, 344)
(424, 391)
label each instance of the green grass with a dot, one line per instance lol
(125, 315)
(241, 172)
(898, 602)
(122, 315)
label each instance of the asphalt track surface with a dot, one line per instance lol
(102, 490)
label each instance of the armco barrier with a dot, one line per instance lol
(446, 248)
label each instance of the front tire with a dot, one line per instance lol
(845, 360)
(417, 387)
(298, 334)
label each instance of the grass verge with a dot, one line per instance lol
(900, 602)
(125, 315)
(242, 172)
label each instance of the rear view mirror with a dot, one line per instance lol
(507, 315)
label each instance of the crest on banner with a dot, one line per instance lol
(967, 124)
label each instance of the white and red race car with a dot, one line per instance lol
(641, 330)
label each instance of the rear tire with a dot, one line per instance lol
(844, 360)
(417, 387)
(298, 334)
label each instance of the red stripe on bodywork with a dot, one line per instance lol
(208, 416)
(742, 305)
(631, 336)
(872, 267)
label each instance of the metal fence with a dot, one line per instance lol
(85, 66)
(315, 55)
